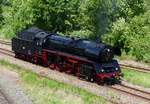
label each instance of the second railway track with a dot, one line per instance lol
(122, 88)
(5, 42)
(132, 91)
(140, 69)
(7, 52)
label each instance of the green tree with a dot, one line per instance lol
(103, 13)
(130, 8)
(53, 15)
(132, 37)
(1, 17)
(100, 17)
(59, 15)
(17, 15)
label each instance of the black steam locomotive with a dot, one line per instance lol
(87, 59)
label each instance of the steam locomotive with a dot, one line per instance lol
(86, 59)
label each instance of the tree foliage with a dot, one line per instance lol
(132, 37)
(1, 16)
(59, 15)
(103, 13)
(53, 15)
(17, 15)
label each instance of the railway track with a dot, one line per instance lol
(140, 69)
(7, 52)
(5, 42)
(132, 91)
(122, 88)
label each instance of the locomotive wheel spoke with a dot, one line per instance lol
(35, 60)
(58, 67)
(52, 66)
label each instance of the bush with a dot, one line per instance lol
(17, 15)
(132, 37)
(140, 47)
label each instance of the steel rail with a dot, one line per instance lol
(132, 91)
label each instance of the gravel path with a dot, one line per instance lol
(10, 84)
(108, 93)
(3, 100)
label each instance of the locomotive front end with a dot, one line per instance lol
(109, 73)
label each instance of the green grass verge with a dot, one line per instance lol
(137, 78)
(46, 91)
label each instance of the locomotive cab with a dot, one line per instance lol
(39, 41)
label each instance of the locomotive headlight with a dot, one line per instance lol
(108, 50)
(116, 68)
(102, 70)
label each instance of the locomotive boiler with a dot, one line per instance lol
(91, 60)
(81, 47)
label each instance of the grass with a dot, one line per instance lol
(126, 57)
(46, 91)
(137, 78)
